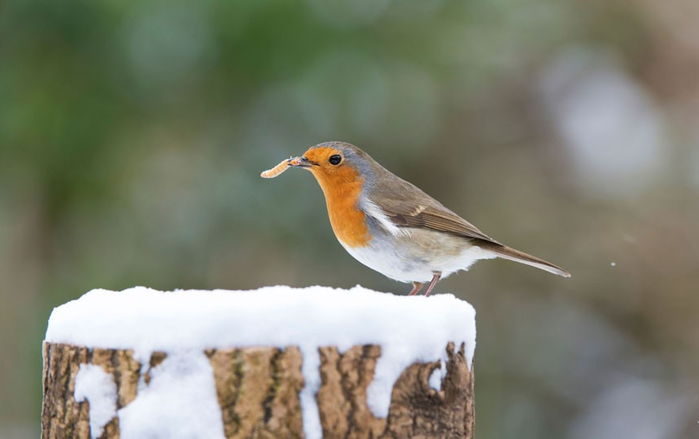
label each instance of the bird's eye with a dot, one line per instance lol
(335, 159)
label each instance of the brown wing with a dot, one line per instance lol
(436, 219)
(408, 206)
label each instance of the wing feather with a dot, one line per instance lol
(438, 220)
(408, 206)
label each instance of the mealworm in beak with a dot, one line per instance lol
(275, 171)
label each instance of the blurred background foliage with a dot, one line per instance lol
(132, 135)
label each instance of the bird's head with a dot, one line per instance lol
(335, 164)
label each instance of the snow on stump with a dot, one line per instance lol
(271, 363)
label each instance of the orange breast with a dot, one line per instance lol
(341, 189)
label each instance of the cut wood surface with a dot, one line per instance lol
(258, 393)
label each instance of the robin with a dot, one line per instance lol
(392, 226)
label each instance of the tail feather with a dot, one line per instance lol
(505, 252)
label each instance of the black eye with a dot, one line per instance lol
(335, 159)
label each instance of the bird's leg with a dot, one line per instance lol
(417, 286)
(433, 282)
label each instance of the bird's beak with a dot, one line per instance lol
(301, 162)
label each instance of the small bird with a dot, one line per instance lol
(392, 226)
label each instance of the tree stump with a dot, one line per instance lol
(277, 362)
(258, 393)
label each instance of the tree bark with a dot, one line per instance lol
(258, 392)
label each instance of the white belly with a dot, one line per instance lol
(416, 263)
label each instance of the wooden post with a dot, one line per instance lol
(258, 393)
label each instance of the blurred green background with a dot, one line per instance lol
(132, 135)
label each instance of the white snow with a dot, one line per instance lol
(437, 376)
(311, 377)
(98, 387)
(435, 380)
(184, 323)
(179, 402)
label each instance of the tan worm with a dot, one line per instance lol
(275, 171)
